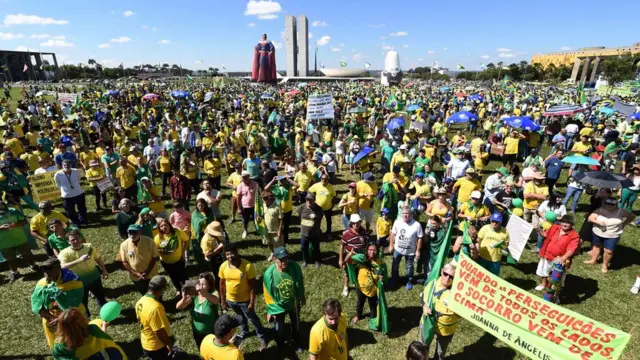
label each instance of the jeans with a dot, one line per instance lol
(70, 204)
(98, 195)
(627, 199)
(442, 343)
(575, 193)
(279, 328)
(345, 221)
(242, 309)
(327, 215)
(314, 240)
(165, 181)
(97, 290)
(397, 257)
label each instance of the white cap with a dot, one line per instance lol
(476, 194)
(355, 218)
(245, 173)
(403, 147)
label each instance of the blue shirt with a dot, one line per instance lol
(66, 156)
(253, 167)
(66, 140)
(558, 138)
(554, 167)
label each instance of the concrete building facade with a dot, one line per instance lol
(582, 58)
(15, 62)
(291, 45)
(303, 45)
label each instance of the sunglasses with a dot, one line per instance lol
(447, 275)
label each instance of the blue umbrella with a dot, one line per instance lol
(179, 94)
(635, 116)
(606, 110)
(395, 123)
(362, 154)
(476, 97)
(359, 101)
(581, 159)
(522, 122)
(461, 117)
(413, 107)
(112, 92)
(444, 88)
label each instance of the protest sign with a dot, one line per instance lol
(519, 231)
(536, 328)
(104, 185)
(320, 107)
(44, 188)
(67, 98)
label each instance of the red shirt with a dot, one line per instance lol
(355, 242)
(557, 244)
(180, 187)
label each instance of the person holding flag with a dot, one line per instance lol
(284, 295)
(371, 272)
(438, 320)
(492, 238)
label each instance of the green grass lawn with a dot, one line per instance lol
(603, 297)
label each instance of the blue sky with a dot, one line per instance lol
(356, 31)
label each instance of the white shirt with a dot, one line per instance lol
(151, 152)
(214, 194)
(406, 236)
(329, 162)
(544, 207)
(492, 182)
(458, 167)
(572, 128)
(69, 184)
(42, 171)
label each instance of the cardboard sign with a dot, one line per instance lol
(320, 107)
(44, 188)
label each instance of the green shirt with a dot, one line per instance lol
(57, 242)
(420, 163)
(16, 236)
(284, 290)
(203, 315)
(387, 152)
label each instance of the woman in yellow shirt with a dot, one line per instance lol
(171, 243)
(212, 167)
(440, 206)
(511, 148)
(94, 174)
(163, 164)
(480, 160)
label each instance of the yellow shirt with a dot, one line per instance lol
(209, 350)
(152, 318)
(32, 160)
(383, 227)
(303, 179)
(351, 208)
(15, 146)
(324, 195)
(388, 177)
(212, 167)
(476, 144)
(511, 145)
(237, 280)
(39, 222)
(364, 189)
(446, 320)
(367, 280)
(235, 179)
(477, 213)
(208, 243)
(580, 147)
(207, 143)
(586, 131)
(94, 174)
(33, 138)
(487, 237)
(164, 164)
(87, 156)
(532, 188)
(170, 246)
(480, 160)
(328, 344)
(139, 257)
(85, 269)
(466, 187)
(126, 176)
(421, 190)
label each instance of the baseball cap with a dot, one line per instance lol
(476, 194)
(144, 178)
(280, 252)
(470, 171)
(396, 169)
(145, 211)
(352, 185)
(245, 173)
(134, 228)
(94, 163)
(354, 218)
(158, 282)
(385, 211)
(403, 147)
(496, 216)
(369, 176)
(503, 170)
(420, 175)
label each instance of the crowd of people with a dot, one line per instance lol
(163, 163)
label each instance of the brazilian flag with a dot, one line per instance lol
(258, 213)
(97, 346)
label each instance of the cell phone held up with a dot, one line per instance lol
(189, 288)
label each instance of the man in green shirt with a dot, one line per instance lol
(387, 154)
(284, 294)
(13, 239)
(420, 162)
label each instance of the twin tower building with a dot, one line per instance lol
(296, 37)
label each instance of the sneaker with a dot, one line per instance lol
(345, 291)
(540, 287)
(14, 276)
(317, 265)
(409, 285)
(635, 290)
(244, 234)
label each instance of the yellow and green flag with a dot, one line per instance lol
(258, 213)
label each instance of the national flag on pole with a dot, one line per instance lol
(121, 65)
(506, 83)
(460, 67)
(367, 65)
(189, 78)
(258, 213)
(580, 94)
(343, 64)
(483, 66)
(25, 68)
(391, 103)
(321, 65)
(224, 68)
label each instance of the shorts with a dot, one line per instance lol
(544, 268)
(367, 215)
(271, 240)
(607, 243)
(491, 266)
(11, 253)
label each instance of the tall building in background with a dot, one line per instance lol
(303, 46)
(291, 45)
